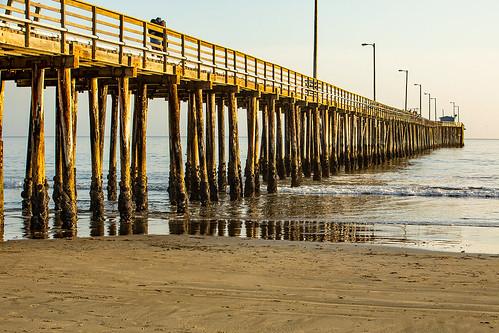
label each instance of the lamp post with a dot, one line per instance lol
(429, 105)
(315, 38)
(420, 98)
(406, 83)
(453, 109)
(374, 66)
(435, 99)
(458, 115)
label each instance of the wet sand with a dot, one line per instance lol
(212, 284)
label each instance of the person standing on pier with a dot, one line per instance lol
(157, 41)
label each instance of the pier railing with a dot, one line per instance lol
(114, 39)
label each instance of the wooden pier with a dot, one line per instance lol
(297, 126)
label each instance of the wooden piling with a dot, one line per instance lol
(210, 145)
(96, 192)
(66, 136)
(272, 167)
(307, 163)
(57, 185)
(301, 127)
(176, 187)
(280, 149)
(204, 187)
(192, 164)
(256, 151)
(334, 142)
(39, 199)
(27, 192)
(140, 189)
(125, 203)
(316, 163)
(325, 143)
(251, 111)
(134, 143)
(222, 164)
(103, 91)
(293, 113)
(234, 161)
(111, 177)
(287, 142)
(74, 94)
(264, 149)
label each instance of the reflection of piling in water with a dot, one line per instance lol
(234, 228)
(251, 229)
(308, 231)
(222, 224)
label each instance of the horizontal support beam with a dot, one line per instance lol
(105, 72)
(19, 63)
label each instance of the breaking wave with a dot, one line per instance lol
(400, 191)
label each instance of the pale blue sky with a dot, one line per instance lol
(448, 46)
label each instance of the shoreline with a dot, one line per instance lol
(476, 239)
(219, 284)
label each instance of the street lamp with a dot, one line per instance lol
(374, 65)
(315, 39)
(420, 98)
(406, 83)
(435, 99)
(453, 109)
(429, 105)
(458, 115)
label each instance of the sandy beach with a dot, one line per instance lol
(211, 284)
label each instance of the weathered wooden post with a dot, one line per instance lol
(125, 203)
(234, 161)
(176, 188)
(301, 124)
(40, 198)
(111, 177)
(334, 142)
(281, 167)
(222, 165)
(103, 90)
(316, 163)
(96, 193)
(287, 143)
(264, 149)
(57, 186)
(66, 106)
(293, 114)
(204, 187)
(256, 158)
(141, 196)
(210, 145)
(325, 142)
(74, 93)
(251, 112)
(193, 150)
(272, 168)
(134, 139)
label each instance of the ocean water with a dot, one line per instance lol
(445, 200)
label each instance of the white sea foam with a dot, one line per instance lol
(397, 190)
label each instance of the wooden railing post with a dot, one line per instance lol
(94, 32)
(27, 25)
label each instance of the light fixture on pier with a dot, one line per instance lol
(420, 98)
(374, 66)
(429, 105)
(406, 84)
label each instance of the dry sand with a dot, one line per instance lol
(197, 284)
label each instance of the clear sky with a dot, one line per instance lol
(447, 45)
